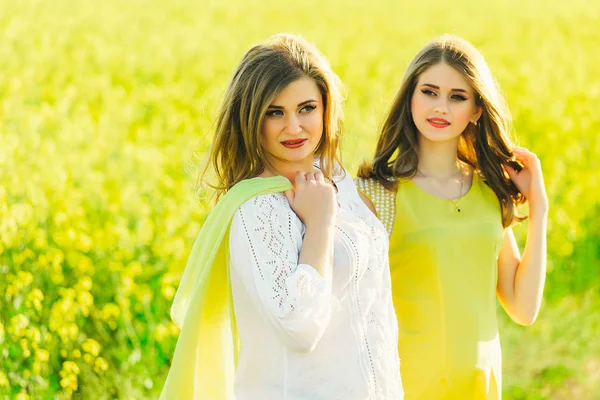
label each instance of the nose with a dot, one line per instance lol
(441, 106)
(293, 125)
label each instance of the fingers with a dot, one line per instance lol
(300, 177)
(314, 176)
(512, 173)
(289, 195)
(523, 153)
(319, 176)
(522, 150)
(525, 157)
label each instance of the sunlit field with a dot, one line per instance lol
(103, 105)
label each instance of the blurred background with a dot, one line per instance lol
(103, 103)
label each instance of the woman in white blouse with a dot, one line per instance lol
(312, 314)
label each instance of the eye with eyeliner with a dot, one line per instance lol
(279, 113)
(308, 108)
(274, 113)
(458, 97)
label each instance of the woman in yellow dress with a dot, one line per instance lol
(446, 181)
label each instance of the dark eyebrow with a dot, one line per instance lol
(299, 105)
(452, 90)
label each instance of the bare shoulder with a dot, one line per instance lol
(367, 202)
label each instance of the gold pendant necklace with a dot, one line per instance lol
(453, 201)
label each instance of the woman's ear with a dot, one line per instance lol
(477, 114)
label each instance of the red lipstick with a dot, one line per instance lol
(294, 143)
(438, 122)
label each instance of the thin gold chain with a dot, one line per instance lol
(456, 201)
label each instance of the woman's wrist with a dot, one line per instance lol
(538, 209)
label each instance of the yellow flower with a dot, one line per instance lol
(37, 368)
(35, 298)
(69, 382)
(86, 300)
(40, 239)
(10, 291)
(34, 334)
(168, 292)
(76, 353)
(22, 396)
(144, 294)
(110, 311)
(109, 314)
(84, 243)
(42, 355)
(68, 332)
(58, 277)
(19, 323)
(60, 218)
(3, 380)
(174, 329)
(92, 347)
(2, 333)
(134, 268)
(160, 332)
(85, 283)
(127, 284)
(100, 365)
(170, 279)
(70, 367)
(25, 278)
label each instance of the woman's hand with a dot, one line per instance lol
(313, 199)
(529, 180)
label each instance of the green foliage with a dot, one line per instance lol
(103, 102)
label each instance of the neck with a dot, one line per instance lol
(438, 159)
(287, 169)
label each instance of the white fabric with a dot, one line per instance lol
(305, 336)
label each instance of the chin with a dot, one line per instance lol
(439, 137)
(295, 157)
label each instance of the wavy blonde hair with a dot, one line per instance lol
(265, 70)
(485, 147)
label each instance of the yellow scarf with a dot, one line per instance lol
(203, 365)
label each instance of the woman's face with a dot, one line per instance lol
(293, 125)
(443, 104)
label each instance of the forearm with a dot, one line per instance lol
(295, 300)
(531, 272)
(317, 247)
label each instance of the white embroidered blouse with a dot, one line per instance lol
(305, 336)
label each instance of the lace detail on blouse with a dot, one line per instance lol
(332, 337)
(382, 198)
(294, 297)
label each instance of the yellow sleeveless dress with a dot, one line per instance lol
(444, 273)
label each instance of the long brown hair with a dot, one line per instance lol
(484, 147)
(265, 70)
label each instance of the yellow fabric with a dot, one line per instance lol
(444, 272)
(203, 365)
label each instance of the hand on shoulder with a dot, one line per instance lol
(312, 199)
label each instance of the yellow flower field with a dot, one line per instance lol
(105, 105)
